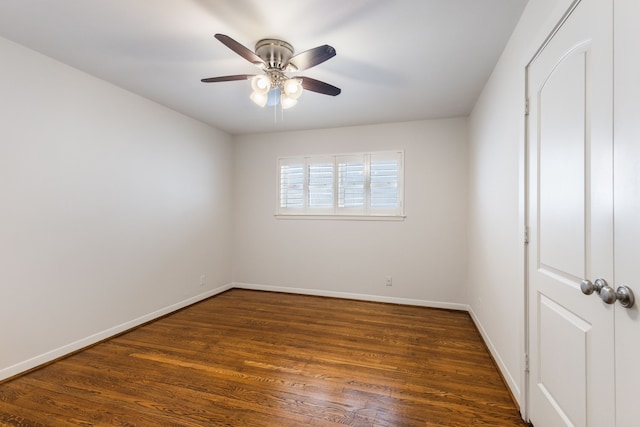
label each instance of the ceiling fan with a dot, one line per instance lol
(275, 57)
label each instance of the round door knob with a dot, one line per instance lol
(587, 287)
(608, 295)
(625, 296)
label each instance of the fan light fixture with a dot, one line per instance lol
(275, 88)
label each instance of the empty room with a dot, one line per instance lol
(284, 213)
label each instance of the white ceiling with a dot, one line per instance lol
(397, 60)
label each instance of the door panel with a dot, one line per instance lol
(561, 168)
(561, 373)
(571, 222)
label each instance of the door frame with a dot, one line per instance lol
(525, 179)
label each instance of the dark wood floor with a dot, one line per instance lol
(247, 358)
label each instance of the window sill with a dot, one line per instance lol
(345, 217)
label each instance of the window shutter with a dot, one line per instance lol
(351, 183)
(385, 172)
(384, 184)
(292, 184)
(321, 184)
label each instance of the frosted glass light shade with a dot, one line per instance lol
(292, 88)
(287, 102)
(260, 84)
(259, 98)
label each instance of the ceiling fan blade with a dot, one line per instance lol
(227, 78)
(310, 58)
(321, 87)
(245, 52)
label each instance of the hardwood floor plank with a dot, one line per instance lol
(248, 358)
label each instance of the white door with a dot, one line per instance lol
(627, 208)
(570, 216)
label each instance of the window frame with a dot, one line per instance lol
(365, 212)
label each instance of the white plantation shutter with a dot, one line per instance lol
(349, 184)
(385, 182)
(320, 184)
(292, 184)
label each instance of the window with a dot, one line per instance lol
(342, 185)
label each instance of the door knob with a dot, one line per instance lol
(607, 294)
(625, 295)
(586, 287)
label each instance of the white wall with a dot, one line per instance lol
(425, 254)
(496, 209)
(111, 209)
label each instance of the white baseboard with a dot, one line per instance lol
(49, 356)
(347, 295)
(511, 382)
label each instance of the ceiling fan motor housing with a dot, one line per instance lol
(275, 53)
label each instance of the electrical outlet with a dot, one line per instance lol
(203, 279)
(388, 281)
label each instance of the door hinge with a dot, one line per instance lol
(526, 363)
(526, 235)
(526, 107)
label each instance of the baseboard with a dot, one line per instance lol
(354, 296)
(506, 375)
(43, 359)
